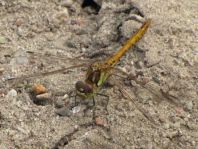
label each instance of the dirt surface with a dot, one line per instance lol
(163, 113)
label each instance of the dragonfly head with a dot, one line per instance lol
(83, 88)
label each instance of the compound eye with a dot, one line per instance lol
(83, 87)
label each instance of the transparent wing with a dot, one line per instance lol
(147, 98)
(25, 63)
(144, 89)
(126, 93)
(55, 69)
(36, 67)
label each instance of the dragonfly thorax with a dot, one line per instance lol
(93, 77)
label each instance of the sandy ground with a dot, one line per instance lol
(161, 114)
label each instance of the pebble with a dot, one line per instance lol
(132, 75)
(45, 96)
(62, 101)
(63, 15)
(144, 96)
(67, 3)
(174, 134)
(133, 83)
(189, 105)
(59, 103)
(140, 64)
(76, 109)
(157, 79)
(99, 121)
(192, 126)
(20, 32)
(180, 112)
(166, 126)
(176, 125)
(2, 40)
(38, 89)
(166, 143)
(162, 118)
(19, 22)
(64, 111)
(2, 70)
(145, 80)
(12, 93)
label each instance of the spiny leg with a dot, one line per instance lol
(75, 102)
(94, 103)
(75, 98)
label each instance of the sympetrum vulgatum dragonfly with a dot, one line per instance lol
(99, 71)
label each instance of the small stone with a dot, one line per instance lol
(192, 126)
(166, 143)
(145, 96)
(63, 16)
(2, 95)
(139, 73)
(76, 127)
(43, 99)
(156, 79)
(19, 22)
(12, 93)
(132, 75)
(76, 109)
(3, 40)
(166, 126)
(174, 134)
(67, 3)
(145, 80)
(162, 118)
(140, 64)
(64, 111)
(176, 125)
(59, 103)
(49, 36)
(39, 89)
(20, 32)
(180, 112)
(65, 96)
(44, 96)
(133, 83)
(1, 70)
(99, 121)
(189, 105)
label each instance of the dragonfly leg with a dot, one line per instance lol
(102, 95)
(75, 101)
(75, 98)
(94, 103)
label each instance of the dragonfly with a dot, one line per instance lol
(98, 72)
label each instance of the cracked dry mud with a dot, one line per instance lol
(161, 114)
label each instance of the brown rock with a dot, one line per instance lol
(100, 121)
(1, 70)
(38, 89)
(19, 22)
